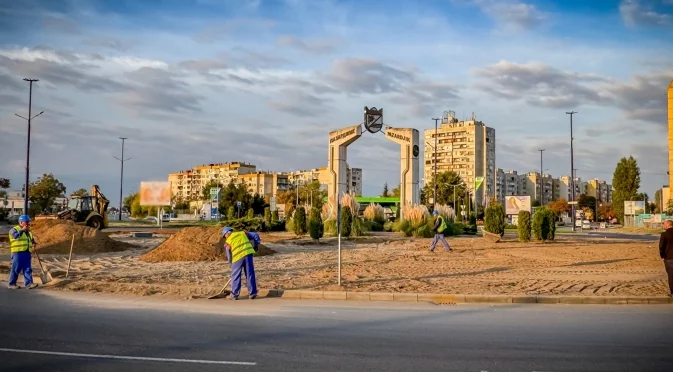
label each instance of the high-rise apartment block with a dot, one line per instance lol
(189, 184)
(466, 147)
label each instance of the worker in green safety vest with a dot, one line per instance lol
(438, 228)
(20, 242)
(240, 247)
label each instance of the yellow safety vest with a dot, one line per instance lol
(442, 225)
(240, 246)
(21, 244)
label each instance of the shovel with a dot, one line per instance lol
(223, 293)
(45, 276)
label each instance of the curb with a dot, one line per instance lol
(436, 298)
(457, 298)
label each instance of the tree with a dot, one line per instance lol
(251, 213)
(44, 192)
(445, 183)
(316, 228)
(205, 192)
(544, 224)
(346, 221)
(385, 190)
(605, 212)
(524, 226)
(128, 201)
(658, 202)
(494, 219)
(625, 184)
(585, 201)
(395, 193)
(299, 221)
(274, 216)
(559, 206)
(588, 213)
(231, 213)
(4, 183)
(80, 193)
(267, 216)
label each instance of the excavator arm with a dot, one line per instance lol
(103, 202)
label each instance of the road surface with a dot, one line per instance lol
(60, 331)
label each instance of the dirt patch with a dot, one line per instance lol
(195, 244)
(55, 236)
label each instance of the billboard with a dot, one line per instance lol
(155, 193)
(517, 203)
(634, 208)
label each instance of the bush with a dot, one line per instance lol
(274, 216)
(231, 213)
(346, 221)
(524, 226)
(374, 213)
(277, 226)
(494, 219)
(315, 226)
(473, 219)
(388, 226)
(289, 225)
(424, 231)
(330, 227)
(544, 226)
(251, 213)
(511, 226)
(459, 229)
(267, 215)
(403, 227)
(357, 228)
(372, 226)
(299, 221)
(250, 224)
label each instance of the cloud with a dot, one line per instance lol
(298, 103)
(513, 15)
(638, 13)
(644, 97)
(109, 43)
(233, 27)
(160, 90)
(316, 46)
(539, 85)
(61, 24)
(367, 76)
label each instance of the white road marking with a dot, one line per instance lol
(124, 357)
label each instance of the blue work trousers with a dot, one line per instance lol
(439, 237)
(21, 262)
(243, 265)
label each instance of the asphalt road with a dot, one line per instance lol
(59, 331)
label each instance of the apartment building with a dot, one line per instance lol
(599, 189)
(508, 183)
(189, 184)
(267, 184)
(466, 147)
(532, 182)
(354, 176)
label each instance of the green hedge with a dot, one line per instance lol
(494, 219)
(524, 226)
(544, 224)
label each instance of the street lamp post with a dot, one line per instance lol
(29, 118)
(434, 197)
(541, 177)
(572, 166)
(121, 179)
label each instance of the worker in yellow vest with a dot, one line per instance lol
(438, 228)
(240, 247)
(20, 242)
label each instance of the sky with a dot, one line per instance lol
(193, 82)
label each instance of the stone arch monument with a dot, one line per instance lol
(407, 138)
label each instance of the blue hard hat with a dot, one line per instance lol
(24, 218)
(226, 229)
(435, 212)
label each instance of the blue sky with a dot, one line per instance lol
(203, 81)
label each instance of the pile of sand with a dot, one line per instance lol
(55, 236)
(194, 244)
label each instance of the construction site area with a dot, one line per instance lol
(168, 264)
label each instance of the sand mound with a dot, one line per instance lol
(54, 237)
(194, 244)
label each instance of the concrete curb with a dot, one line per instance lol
(436, 298)
(457, 298)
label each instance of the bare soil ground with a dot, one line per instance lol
(567, 266)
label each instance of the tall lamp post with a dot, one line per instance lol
(121, 180)
(541, 178)
(29, 118)
(434, 197)
(572, 166)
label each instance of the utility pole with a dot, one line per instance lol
(29, 118)
(541, 177)
(121, 181)
(434, 197)
(572, 166)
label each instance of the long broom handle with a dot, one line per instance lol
(72, 243)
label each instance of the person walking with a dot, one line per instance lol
(666, 252)
(20, 241)
(240, 247)
(439, 227)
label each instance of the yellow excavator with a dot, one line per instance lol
(90, 210)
